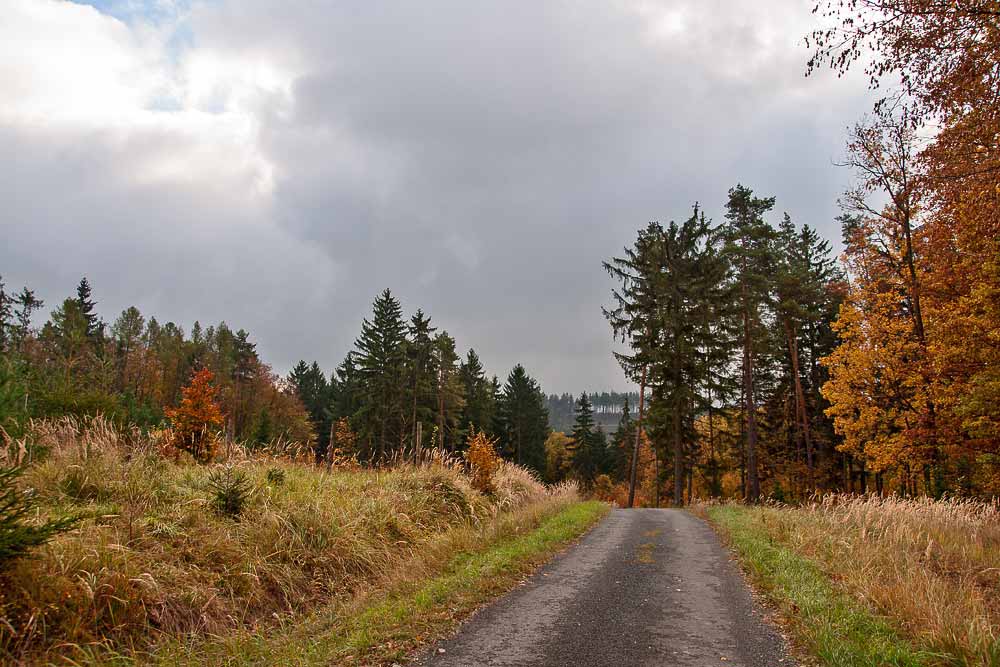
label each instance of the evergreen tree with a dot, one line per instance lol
(126, 333)
(27, 304)
(422, 373)
(86, 306)
(688, 286)
(345, 396)
(480, 404)
(381, 358)
(803, 280)
(618, 453)
(313, 390)
(586, 454)
(748, 245)
(449, 392)
(6, 324)
(523, 420)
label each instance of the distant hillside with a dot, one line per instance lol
(607, 409)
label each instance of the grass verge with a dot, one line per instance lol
(159, 568)
(387, 626)
(834, 627)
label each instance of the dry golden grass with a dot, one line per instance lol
(932, 567)
(152, 562)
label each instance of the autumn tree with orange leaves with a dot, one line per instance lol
(915, 380)
(195, 419)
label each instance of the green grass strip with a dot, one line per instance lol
(393, 625)
(835, 628)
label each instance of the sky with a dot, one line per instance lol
(278, 164)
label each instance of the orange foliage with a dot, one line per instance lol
(931, 396)
(341, 450)
(196, 416)
(484, 461)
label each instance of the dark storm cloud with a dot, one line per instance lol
(478, 159)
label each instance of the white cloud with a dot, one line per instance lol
(278, 164)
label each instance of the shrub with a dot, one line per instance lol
(603, 488)
(17, 536)
(275, 476)
(195, 418)
(231, 491)
(340, 451)
(483, 461)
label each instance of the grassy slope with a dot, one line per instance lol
(387, 625)
(153, 567)
(830, 624)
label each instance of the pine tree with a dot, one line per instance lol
(86, 306)
(6, 324)
(313, 390)
(618, 454)
(126, 332)
(748, 244)
(634, 322)
(422, 372)
(381, 358)
(480, 405)
(586, 454)
(523, 420)
(688, 287)
(448, 391)
(27, 304)
(804, 276)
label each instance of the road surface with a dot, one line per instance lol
(645, 587)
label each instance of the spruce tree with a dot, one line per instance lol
(523, 420)
(422, 373)
(126, 333)
(86, 306)
(618, 455)
(27, 304)
(313, 390)
(6, 324)
(480, 405)
(381, 358)
(687, 284)
(448, 391)
(586, 463)
(345, 397)
(749, 247)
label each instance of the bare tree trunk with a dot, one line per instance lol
(656, 479)
(711, 449)
(417, 442)
(635, 448)
(678, 448)
(800, 403)
(753, 478)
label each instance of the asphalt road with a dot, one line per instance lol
(645, 587)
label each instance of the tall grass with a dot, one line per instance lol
(152, 561)
(931, 567)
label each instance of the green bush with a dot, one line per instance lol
(275, 476)
(231, 490)
(17, 535)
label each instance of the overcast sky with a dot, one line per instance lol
(277, 164)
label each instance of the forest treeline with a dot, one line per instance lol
(400, 374)
(403, 385)
(607, 407)
(772, 369)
